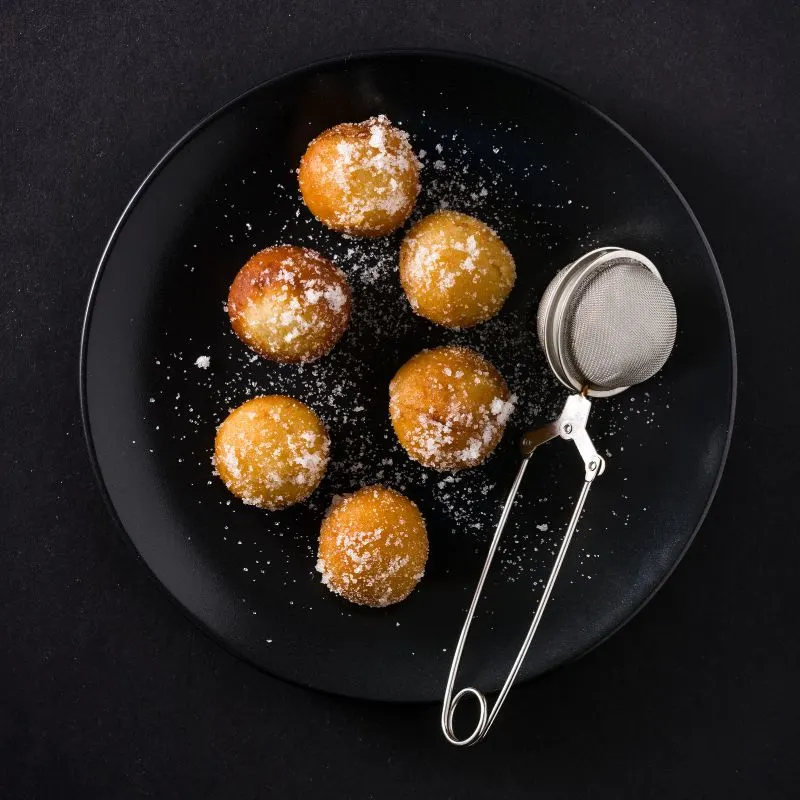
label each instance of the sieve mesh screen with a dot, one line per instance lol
(619, 327)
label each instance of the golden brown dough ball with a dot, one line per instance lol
(272, 451)
(449, 407)
(373, 547)
(289, 304)
(455, 270)
(360, 178)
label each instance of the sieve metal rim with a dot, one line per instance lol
(556, 300)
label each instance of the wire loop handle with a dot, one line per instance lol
(571, 425)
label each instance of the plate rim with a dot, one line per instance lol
(343, 59)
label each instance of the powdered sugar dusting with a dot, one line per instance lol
(384, 155)
(373, 547)
(349, 387)
(297, 311)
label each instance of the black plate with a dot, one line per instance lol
(555, 177)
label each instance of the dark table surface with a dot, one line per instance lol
(107, 691)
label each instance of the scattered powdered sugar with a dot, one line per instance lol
(377, 137)
(348, 388)
(502, 409)
(229, 457)
(313, 295)
(335, 297)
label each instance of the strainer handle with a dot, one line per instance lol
(570, 425)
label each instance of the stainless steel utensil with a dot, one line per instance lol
(606, 322)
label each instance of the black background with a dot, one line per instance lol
(107, 691)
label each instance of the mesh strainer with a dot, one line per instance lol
(606, 322)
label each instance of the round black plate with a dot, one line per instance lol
(555, 177)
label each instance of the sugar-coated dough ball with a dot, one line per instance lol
(360, 178)
(373, 547)
(455, 270)
(272, 451)
(289, 304)
(449, 407)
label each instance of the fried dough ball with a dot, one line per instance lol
(289, 304)
(272, 451)
(449, 407)
(455, 270)
(360, 178)
(373, 547)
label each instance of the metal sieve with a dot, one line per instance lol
(606, 322)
